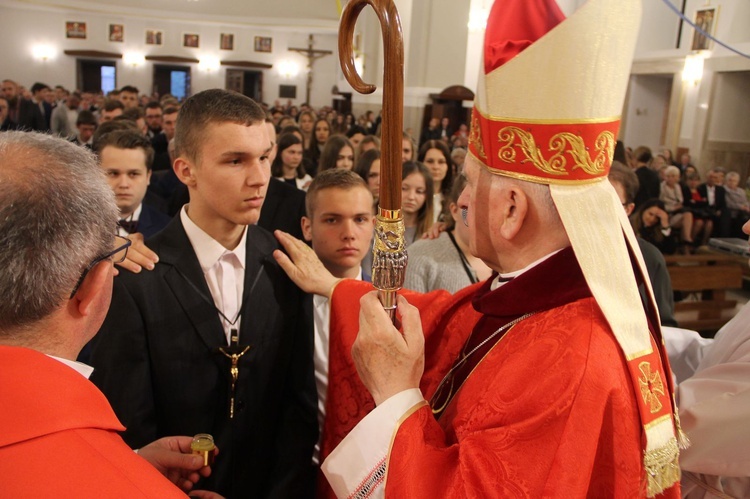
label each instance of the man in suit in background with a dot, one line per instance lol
(125, 156)
(715, 194)
(216, 339)
(24, 113)
(40, 93)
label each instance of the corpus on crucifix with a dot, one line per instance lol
(312, 56)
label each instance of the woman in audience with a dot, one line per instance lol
(703, 223)
(651, 223)
(737, 203)
(446, 262)
(671, 195)
(407, 148)
(321, 132)
(437, 158)
(287, 165)
(306, 120)
(416, 200)
(337, 153)
(368, 167)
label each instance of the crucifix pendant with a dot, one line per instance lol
(233, 353)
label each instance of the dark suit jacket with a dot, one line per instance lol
(283, 208)
(157, 360)
(30, 117)
(648, 185)
(151, 221)
(720, 198)
(722, 218)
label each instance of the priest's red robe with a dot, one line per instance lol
(60, 436)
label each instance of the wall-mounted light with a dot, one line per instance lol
(359, 64)
(209, 63)
(693, 70)
(42, 52)
(288, 69)
(133, 59)
(478, 19)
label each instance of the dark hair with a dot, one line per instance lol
(133, 113)
(86, 118)
(285, 141)
(330, 154)
(212, 107)
(456, 190)
(643, 154)
(36, 87)
(313, 138)
(627, 178)
(129, 89)
(153, 105)
(171, 110)
(113, 126)
(425, 215)
(336, 178)
(364, 163)
(112, 104)
(447, 182)
(291, 129)
(125, 139)
(354, 130)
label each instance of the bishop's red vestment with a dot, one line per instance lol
(549, 410)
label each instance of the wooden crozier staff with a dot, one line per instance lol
(389, 252)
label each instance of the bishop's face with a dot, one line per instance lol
(481, 215)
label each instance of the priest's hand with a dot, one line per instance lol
(139, 255)
(173, 458)
(388, 362)
(303, 266)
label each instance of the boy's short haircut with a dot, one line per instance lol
(113, 126)
(209, 107)
(627, 178)
(129, 89)
(153, 105)
(337, 178)
(112, 104)
(133, 113)
(86, 118)
(125, 139)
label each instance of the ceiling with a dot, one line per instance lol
(314, 15)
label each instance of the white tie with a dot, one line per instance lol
(230, 301)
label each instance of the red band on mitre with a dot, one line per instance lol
(513, 25)
(544, 152)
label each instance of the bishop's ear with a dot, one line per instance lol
(515, 206)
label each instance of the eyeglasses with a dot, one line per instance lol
(117, 255)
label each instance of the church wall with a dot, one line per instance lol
(18, 37)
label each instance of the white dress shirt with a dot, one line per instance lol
(223, 269)
(321, 318)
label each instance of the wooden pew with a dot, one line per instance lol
(706, 277)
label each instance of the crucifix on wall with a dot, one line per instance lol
(312, 56)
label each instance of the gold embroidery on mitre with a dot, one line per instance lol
(651, 387)
(560, 144)
(475, 137)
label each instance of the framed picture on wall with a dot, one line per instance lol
(263, 43)
(116, 32)
(154, 37)
(191, 40)
(705, 19)
(226, 41)
(74, 29)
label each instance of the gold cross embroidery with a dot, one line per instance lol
(651, 387)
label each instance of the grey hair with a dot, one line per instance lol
(672, 169)
(57, 214)
(733, 175)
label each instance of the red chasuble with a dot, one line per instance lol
(547, 409)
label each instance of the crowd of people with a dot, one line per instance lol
(677, 210)
(210, 260)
